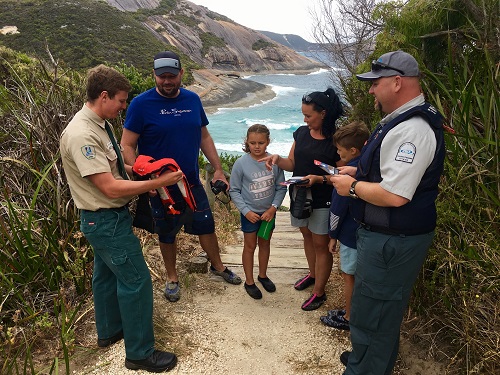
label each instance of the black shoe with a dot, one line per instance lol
(253, 291)
(104, 343)
(267, 284)
(157, 362)
(344, 358)
(304, 282)
(313, 302)
(338, 322)
(333, 313)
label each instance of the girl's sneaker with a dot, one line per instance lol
(253, 291)
(304, 282)
(313, 302)
(267, 284)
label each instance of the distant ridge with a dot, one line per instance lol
(292, 41)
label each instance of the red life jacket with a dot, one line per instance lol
(147, 167)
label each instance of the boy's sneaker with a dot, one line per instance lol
(267, 284)
(227, 275)
(304, 282)
(313, 302)
(172, 291)
(332, 313)
(338, 322)
(253, 291)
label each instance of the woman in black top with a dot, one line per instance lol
(314, 142)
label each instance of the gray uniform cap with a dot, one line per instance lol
(395, 63)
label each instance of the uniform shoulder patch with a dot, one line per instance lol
(406, 152)
(88, 151)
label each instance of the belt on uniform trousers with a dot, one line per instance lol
(109, 209)
(383, 230)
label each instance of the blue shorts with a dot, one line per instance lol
(348, 259)
(202, 221)
(316, 223)
(249, 227)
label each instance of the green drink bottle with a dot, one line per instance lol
(265, 229)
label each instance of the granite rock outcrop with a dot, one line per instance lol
(216, 42)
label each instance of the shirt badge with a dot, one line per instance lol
(88, 151)
(406, 152)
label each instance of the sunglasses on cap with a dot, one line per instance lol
(377, 65)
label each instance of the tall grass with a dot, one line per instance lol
(43, 265)
(459, 290)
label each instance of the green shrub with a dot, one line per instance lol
(261, 44)
(210, 40)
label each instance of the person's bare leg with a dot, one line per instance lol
(348, 288)
(309, 250)
(264, 252)
(249, 245)
(210, 245)
(324, 262)
(169, 255)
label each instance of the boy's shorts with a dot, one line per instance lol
(316, 223)
(203, 220)
(249, 227)
(348, 259)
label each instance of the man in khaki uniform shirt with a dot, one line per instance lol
(101, 189)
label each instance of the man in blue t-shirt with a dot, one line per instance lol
(168, 121)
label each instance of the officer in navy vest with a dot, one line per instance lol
(394, 189)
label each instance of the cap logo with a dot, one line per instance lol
(166, 62)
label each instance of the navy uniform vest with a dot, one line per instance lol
(419, 215)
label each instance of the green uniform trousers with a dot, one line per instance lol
(121, 283)
(386, 270)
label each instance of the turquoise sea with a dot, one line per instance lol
(282, 115)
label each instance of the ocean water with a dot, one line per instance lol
(282, 115)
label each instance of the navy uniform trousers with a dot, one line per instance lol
(386, 270)
(123, 292)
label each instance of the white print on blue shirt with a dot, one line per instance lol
(174, 111)
(406, 152)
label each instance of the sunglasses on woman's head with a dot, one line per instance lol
(306, 99)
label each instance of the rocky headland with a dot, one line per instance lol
(218, 89)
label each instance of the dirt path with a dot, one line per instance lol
(216, 328)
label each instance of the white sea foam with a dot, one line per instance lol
(319, 71)
(281, 148)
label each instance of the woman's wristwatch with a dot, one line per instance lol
(352, 191)
(325, 181)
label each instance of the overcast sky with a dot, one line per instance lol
(279, 16)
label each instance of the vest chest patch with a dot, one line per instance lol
(406, 152)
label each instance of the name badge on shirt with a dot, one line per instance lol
(406, 152)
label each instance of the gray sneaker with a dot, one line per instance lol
(172, 291)
(227, 275)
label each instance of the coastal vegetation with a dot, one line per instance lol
(84, 33)
(261, 44)
(456, 299)
(46, 265)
